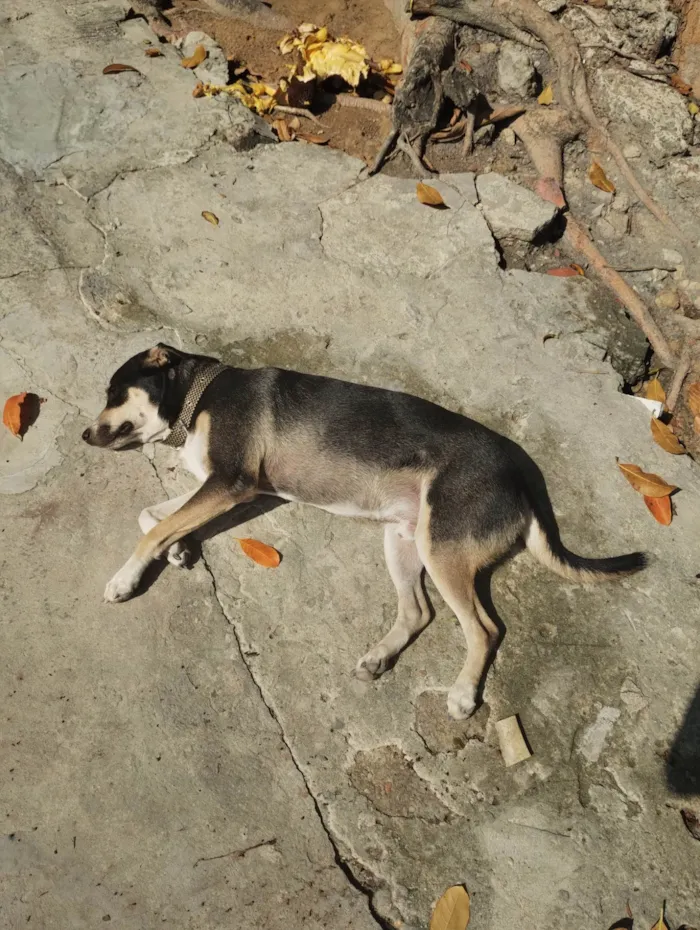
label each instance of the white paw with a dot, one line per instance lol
(124, 583)
(372, 665)
(179, 555)
(461, 701)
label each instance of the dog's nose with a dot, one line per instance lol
(87, 434)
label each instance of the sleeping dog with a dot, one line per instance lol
(453, 496)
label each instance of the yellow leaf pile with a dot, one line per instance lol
(255, 95)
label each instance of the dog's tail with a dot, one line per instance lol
(548, 550)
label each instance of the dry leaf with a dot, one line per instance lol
(429, 196)
(452, 910)
(654, 391)
(210, 217)
(511, 740)
(666, 438)
(153, 52)
(549, 190)
(628, 910)
(310, 137)
(597, 176)
(646, 482)
(570, 271)
(692, 822)
(661, 922)
(696, 425)
(196, 58)
(199, 90)
(465, 66)
(693, 108)
(117, 69)
(20, 412)
(694, 398)
(680, 85)
(660, 509)
(260, 553)
(283, 131)
(295, 123)
(547, 96)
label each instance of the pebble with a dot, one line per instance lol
(621, 203)
(631, 151)
(488, 48)
(672, 257)
(668, 299)
(508, 136)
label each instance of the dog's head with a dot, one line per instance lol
(141, 400)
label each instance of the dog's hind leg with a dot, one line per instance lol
(406, 570)
(179, 552)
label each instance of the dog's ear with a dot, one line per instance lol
(162, 356)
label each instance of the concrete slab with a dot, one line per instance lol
(148, 747)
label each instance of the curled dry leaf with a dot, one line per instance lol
(260, 553)
(647, 483)
(599, 179)
(210, 217)
(666, 438)
(153, 52)
(199, 90)
(465, 66)
(692, 822)
(660, 509)
(547, 96)
(654, 391)
(694, 398)
(680, 85)
(196, 58)
(310, 137)
(21, 411)
(452, 911)
(570, 271)
(116, 68)
(429, 196)
(661, 922)
(284, 133)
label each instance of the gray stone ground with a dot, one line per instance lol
(201, 757)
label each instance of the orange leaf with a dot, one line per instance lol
(570, 271)
(153, 52)
(654, 391)
(198, 90)
(696, 425)
(597, 176)
(20, 412)
(465, 66)
(646, 482)
(283, 131)
(260, 553)
(117, 69)
(196, 58)
(666, 438)
(660, 509)
(694, 398)
(680, 85)
(429, 196)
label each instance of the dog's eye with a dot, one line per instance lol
(126, 427)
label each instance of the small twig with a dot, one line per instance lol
(617, 51)
(363, 103)
(237, 853)
(383, 152)
(679, 378)
(468, 144)
(299, 111)
(405, 146)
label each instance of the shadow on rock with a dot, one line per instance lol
(683, 760)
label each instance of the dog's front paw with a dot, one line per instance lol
(179, 555)
(123, 585)
(372, 665)
(461, 701)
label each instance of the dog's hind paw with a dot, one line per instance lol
(372, 665)
(179, 555)
(461, 701)
(123, 585)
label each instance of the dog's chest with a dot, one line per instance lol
(195, 455)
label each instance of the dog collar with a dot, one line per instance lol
(203, 377)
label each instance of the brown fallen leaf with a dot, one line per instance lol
(153, 52)
(654, 391)
(628, 910)
(547, 96)
(661, 922)
(569, 271)
(452, 911)
(260, 553)
(210, 217)
(696, 425)
(196, 58)
(680, 85)
(597, 177)
(198, 90)
(646, 483)
(660, 509)
(694, 398)
(295, 123)
(21, 411)
(692, 822)
(465, 66)
(429, 196)
(284, 133)
(665, 437)
(549, 190)
(116, 68)
(310, 137)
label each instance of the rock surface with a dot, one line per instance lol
(201, 756)
(511, 210)
(516, 73)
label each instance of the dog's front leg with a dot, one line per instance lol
(212, 500)
(178, 553)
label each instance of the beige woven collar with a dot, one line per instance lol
(203, 377)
